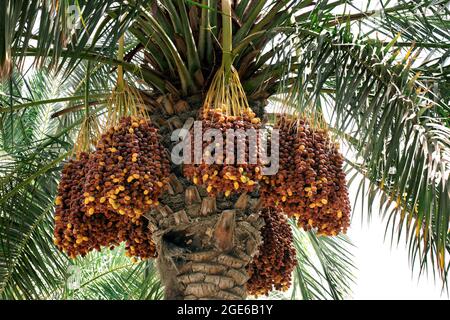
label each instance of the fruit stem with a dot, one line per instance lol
(227, 37)
(120, 53)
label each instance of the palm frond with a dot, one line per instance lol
(53, 26)
(32, 147)
(29, 262)
(325, 268)
(179, 39)
(399, 141)
(110, 275)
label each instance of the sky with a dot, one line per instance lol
(384, 271)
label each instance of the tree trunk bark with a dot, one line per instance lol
(204, 244)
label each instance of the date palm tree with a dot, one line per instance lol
(379, 75)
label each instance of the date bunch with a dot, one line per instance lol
(232, 169)
(272, 267)
(310, 184)
(77, 233)
(102, 195)
(128, 171)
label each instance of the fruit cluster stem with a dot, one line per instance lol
(227, 37)
(120, 53)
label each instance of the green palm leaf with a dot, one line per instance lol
(324, 270)
(373, 94)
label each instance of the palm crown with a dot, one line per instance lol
(378, 79)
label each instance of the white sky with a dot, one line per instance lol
(384, 272)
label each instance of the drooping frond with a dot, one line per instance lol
(325, 268)
(370, 92)
(110, 275)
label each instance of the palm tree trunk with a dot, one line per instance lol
(204, 244)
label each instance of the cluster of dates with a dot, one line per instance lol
(310, 184)
(272, 267)
(234, 167)
(102, 195)
(128, 171)
(75, 232)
